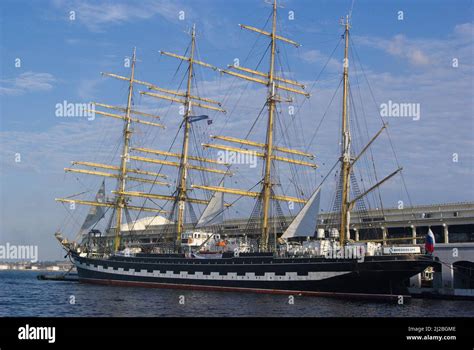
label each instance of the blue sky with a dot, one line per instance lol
(407, 60)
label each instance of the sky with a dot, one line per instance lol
(52, 52)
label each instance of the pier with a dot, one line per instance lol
(454, 279)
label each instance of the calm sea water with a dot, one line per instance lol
(21, 294)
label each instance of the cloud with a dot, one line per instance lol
(316, 56)
(466, 29)
(398, 46)
(27, 82)
(312, 56)
(422, 52)
(87, 88)
(73, 41)
(97, 15)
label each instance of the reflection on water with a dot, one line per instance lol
(21, 294)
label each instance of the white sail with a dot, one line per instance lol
(304, 224)
(214, 212)
(95, 213)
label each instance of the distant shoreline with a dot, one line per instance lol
(36, 270)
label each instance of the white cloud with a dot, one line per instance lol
(464, 29)
(98, 14)
(422, 52)
(312, 56)
(418, 58)
(399, 46)
(316, 56)
(73, 41)
(27, 82)
(87, 88)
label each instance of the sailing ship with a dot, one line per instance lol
(200, 259)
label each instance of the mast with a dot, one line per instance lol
(183, 172)
(129, 117)
(124, 158)
(345, 149)
(348, 162)
(268, 151)
(189, 101)
(267, 180)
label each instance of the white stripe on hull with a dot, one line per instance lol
(231, 276)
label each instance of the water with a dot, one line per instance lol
(21, 294)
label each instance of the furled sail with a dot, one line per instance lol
(95, 213)
(214, 212)
(304, 224)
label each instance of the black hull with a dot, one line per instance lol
(375, 275)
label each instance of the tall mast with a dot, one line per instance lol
(268, 151)
(122, 171)
(183, 172)
(124, 157)
(267, 180)
(345, 149)
(188, 100)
